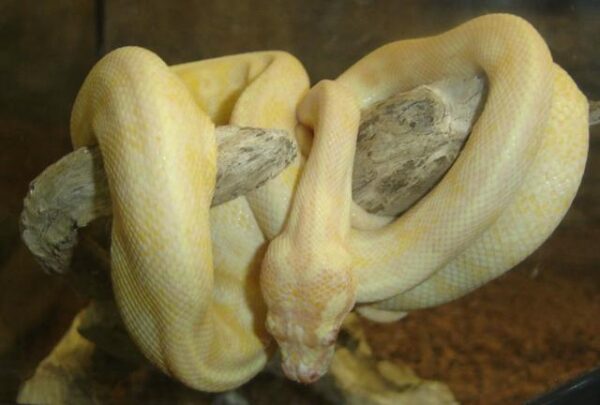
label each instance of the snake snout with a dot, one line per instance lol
(302, 373)
(305, 364)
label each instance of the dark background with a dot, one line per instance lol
(513, 339)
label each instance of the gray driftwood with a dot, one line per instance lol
(407, 142)
(73, 192)
(594, 112)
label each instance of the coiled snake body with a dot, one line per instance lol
(201, 291)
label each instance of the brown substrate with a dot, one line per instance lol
(524, 333)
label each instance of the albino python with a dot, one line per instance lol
(202, 291)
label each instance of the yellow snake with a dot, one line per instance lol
(201, 291)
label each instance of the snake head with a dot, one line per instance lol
(307, 301)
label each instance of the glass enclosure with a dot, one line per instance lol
(512, 340)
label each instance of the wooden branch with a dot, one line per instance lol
(594, 112)
(74, 191)
(407, 142)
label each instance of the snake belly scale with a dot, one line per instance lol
(203, 291)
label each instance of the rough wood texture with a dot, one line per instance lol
(248, 157)
(74, 191)
(407, 142)
(594, 112)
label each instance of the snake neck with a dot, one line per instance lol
(307, 279)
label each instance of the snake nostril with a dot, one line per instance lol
(309, 376)
(313, 376)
